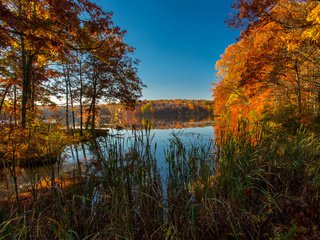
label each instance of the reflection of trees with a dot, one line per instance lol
(161, 113)
(169, 121)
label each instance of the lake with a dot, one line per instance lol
(81, 158)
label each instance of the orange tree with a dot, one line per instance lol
(274, 65)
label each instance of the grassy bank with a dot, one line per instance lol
(261, 185)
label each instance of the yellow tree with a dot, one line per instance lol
(234, 100)
(273, 59)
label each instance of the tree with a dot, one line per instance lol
(42, 34)
(110, 81)
(276, 57)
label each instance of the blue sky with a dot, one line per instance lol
(177, 42)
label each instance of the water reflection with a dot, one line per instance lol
(178, 121)
(83, 158)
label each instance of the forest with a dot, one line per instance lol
(66, 50)
(167, 106)
(257, 177)
(268, 97)
(271, 73)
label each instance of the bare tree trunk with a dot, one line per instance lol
(15, 104)
(317, 107)
(94, 105)
(71, 99)
(81, 95)
(26, 64)
(298, 89)
(33, 90)
(93, 113)
(26, 88)
(4, 97)
(67, 97)
(89, 116)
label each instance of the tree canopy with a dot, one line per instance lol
(62, 48)
(274, 67)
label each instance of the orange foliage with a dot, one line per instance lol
(273, 66)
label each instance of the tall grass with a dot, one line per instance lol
(261, 185)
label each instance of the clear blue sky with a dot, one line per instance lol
(177, 42)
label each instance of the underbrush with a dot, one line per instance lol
(268, 185)
(261, 185)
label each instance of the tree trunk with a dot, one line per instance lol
(89, 116)
(298, 89)
(15, 104)
(26, 88)
(93, 113)
(4, 97)
(67, 97)
(80, 100)
(26, 64)
(32, 92)
(94, 98)
(71, 99)
(317, 104)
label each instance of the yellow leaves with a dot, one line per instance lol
(15, 44)
(272, 37)
(313, 32)
(36, 144)
(233, 99)
(42, 60)
(291, 46)
(314, 15)
(231, 64)
(292, 40)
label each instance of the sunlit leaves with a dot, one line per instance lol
(313, 32)
(275, 64)
(42, 35)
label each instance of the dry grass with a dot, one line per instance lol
(261, 185)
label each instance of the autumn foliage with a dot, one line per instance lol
(266, 103)
(272, 71)
(64, 49)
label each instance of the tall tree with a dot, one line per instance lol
(42, 33)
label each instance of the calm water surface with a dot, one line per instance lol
(77, 158)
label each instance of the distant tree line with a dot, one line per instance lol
(113, 112)
(176, 106)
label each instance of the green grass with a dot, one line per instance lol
(258, 185)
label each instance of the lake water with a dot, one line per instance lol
(78, 158)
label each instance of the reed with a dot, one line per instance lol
(249, 185)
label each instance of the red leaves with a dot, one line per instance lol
(250, 11)
(38, 36)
